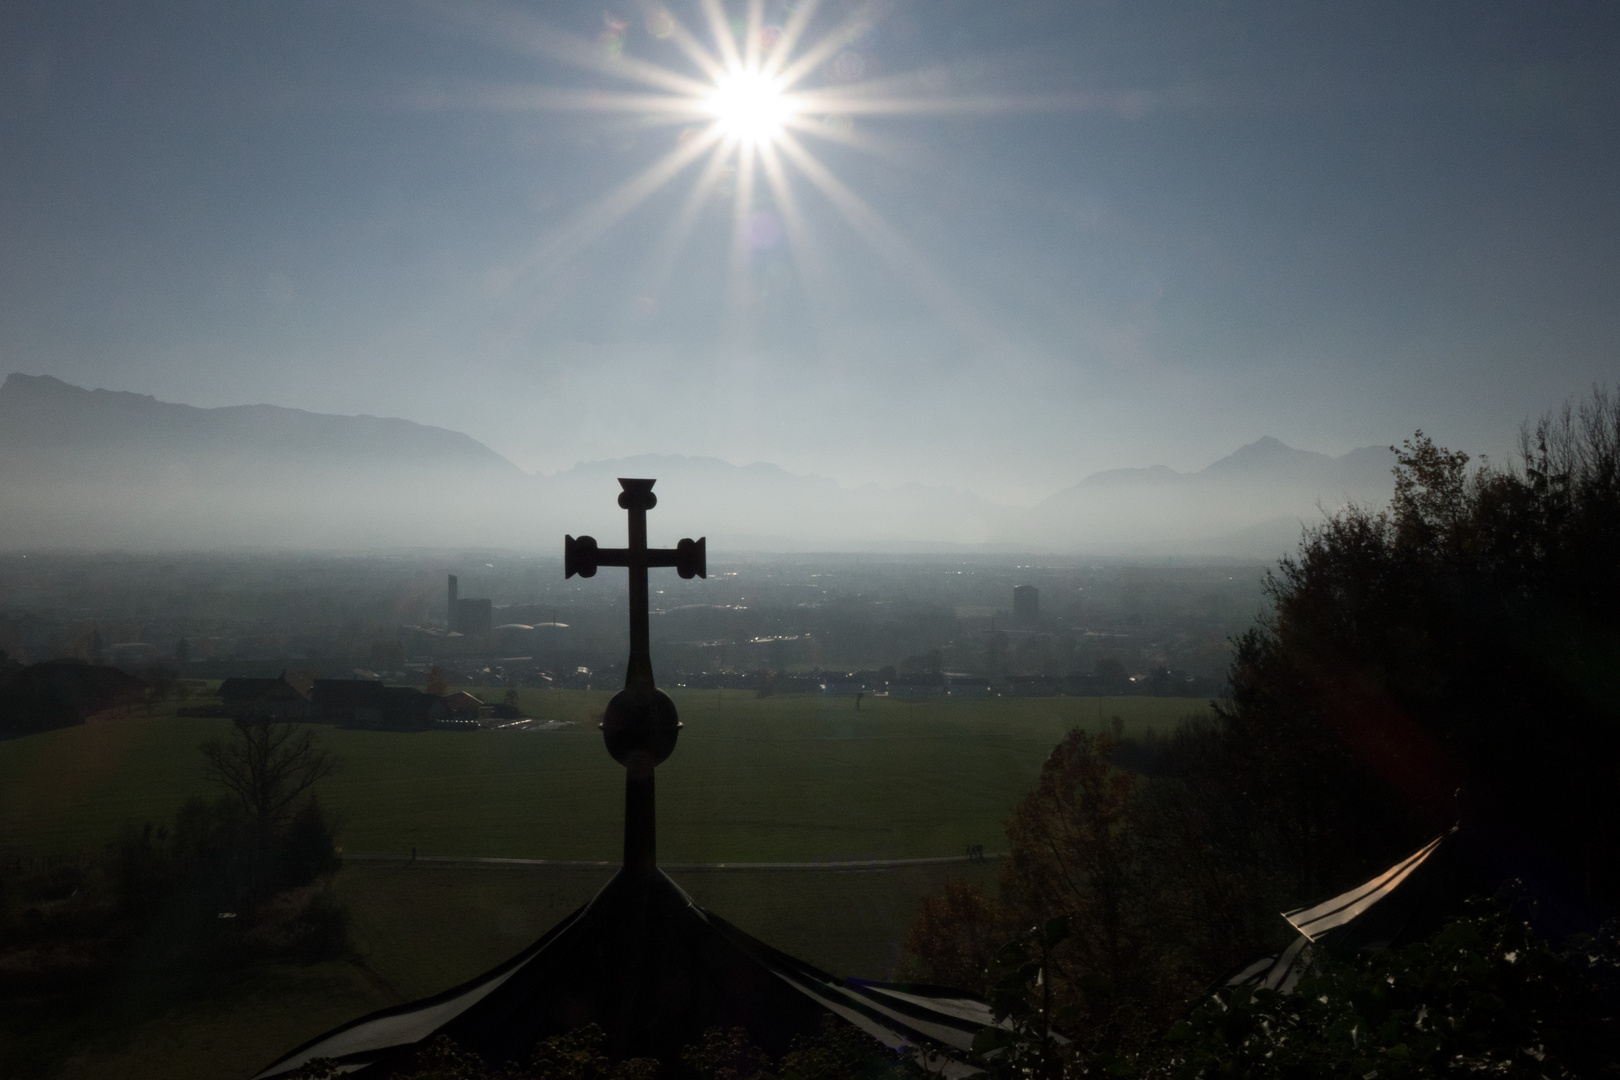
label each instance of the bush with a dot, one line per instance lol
(307, 923)
(836, 1052)
(309, 846)
(1484, 996)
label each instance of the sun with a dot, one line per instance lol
(749, 106)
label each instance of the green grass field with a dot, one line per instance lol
(757, 780)
(752, 779)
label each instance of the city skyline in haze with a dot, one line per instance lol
(1083, 237)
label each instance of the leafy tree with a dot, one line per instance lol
(1075, 854)
(438, 681)
(309, 845)
(954, 936)
(764, 683)
(1465, 639)
(1028, 1006)
(1150, 908)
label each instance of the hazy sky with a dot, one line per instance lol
(1104, 234)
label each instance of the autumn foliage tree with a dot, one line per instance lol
(1111, 858)
(1075, 852)
(955, 934)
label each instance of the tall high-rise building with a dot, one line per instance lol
(1026, 604)
(467, 616)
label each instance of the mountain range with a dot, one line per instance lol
(106, 469)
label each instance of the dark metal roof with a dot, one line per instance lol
(239, 688)
(654, 971)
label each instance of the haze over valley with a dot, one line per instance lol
(106, 470)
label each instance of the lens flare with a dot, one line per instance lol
(750, 106)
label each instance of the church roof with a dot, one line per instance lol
(654, 971)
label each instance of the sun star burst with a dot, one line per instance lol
(757, 94)
(749, 105)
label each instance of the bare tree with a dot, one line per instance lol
(266, 767)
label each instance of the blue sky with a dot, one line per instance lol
(1144, 232)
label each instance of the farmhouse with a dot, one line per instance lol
(917, 684)
(284, 698)
(63, 693)
(463, 706)
(368, 704)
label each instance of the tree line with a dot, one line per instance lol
(1450, 659)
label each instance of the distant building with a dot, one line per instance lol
(347, 702)
(285, 698)
(368, 704)
(964, 684)
(1033, 685)
(1026, 604)
(917, 684)
(467, 616)
(463, 706)
(64, 693)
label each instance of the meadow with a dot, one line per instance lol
(753, 780)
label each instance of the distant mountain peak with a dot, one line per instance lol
(20, 385)
(42, 415)
(1266, 454)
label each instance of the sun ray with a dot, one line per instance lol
(661, 262)
(600, 215)
(735, 318)
(825, 49)
(520, 32)
(882, 238)
(686, 41)
(550, 99)
(753, 27)
(852, 104)
(857, 140)
(790, 37)
(807, 254)
(725, 42)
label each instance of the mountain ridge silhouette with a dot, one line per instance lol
(128, 468)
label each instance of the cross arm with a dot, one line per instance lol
(690, 558)
(582, 556)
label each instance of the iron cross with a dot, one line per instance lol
(689, 558)
(640, 724)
